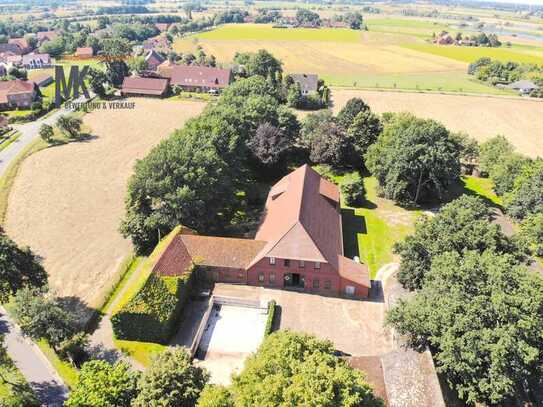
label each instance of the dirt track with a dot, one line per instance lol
(520, 120)
(67, 201)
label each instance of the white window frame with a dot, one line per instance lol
(317, 265)
(272, 261)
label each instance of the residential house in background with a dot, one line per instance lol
(524, 87)
(298, 246)
(137, 86)
(17, 93)
(153, 60)
(11, 48)
(84, 52)
(194, 78)
(42, 79)
(159, 43)
(44, 36)
(22, 43)
(309, 83)
(36, 61)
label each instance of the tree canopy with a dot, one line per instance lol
(171, 381)
(19, 267)
(481, 316)
(526, 198)
(103, 384)
(298, 369)
(463, 224)
(415, 160)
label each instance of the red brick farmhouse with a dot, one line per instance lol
(299, 244)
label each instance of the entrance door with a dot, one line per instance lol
(294, 280)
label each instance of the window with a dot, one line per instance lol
(317, 265)
(272, 278)
(302, 264)
(287, 263)
(327, 284)
(315, 283)
(261, 277)
(272, 261)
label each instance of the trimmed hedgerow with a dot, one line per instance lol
(269, 321)
(152, 314)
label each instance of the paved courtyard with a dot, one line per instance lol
(355, 327)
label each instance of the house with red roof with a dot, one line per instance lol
(138, 86)
(298, 245)
(44, 36)
(22, 43)
(36, 61)
(153, 60)
(84, 52)
(195, 78)
(17, 93)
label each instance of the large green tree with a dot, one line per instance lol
(103, 384)
(19, 267)
(171, 381)
(215, 396)
(481, 314)
(40, 316)
(526, 198)
(463, 224)
(505, 172)
(492, 151)
(292, 369)
(115, 52)
(260, 63)
(415, 160)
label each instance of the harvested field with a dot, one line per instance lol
(67, 201)
(518, 119)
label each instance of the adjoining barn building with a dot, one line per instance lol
(136, 86)
(298, 246)
(194, 78)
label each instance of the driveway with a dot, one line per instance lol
(33, 364)
(355, 327)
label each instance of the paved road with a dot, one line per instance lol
(33, 364)
(29, 132)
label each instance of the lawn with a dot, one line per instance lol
(471, 54)
(66, 371)
(482, 187)
(143, 352)
(370, 231)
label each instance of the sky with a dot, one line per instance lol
(534, 2)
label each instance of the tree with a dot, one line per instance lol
(137, 64)
(269, 144)
(105, 385)
(114, 52)
(415, 160)
(70, 125)
(307, 17)
(481, 316)
(310, 126)
(299, 370)
(531, 233)
(171, 381)
(469, 149)
(184, 181)
(352, 189)
(492, 152)
(328, 145)
(46, 132)
(97, 81)
(215, 396)
(19, 267)
(463, 224)
(40, 316)
(74, 349)
(362, 133)
(294, 96)
(504, 173)
(261, 63)
(54, 48)
(526, 198)
(351, 109)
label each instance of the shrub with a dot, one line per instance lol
(352, 189)
(151, 315)
(269, 321)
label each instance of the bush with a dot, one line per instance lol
(151, 315)
(269, 321)
(352, 190)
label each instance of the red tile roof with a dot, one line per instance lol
(21, 42)
(46, 35)
(13, 87)
(197, 76)
(354, 271)
(301, 221)
(144, 86)
(84, 52)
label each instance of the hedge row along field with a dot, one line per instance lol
(151, 312)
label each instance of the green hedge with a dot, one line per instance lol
(152, 314)
(269, 321)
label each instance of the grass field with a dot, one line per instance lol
(518, 119)
(470, 54)
(67, 201)
(392, 55)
